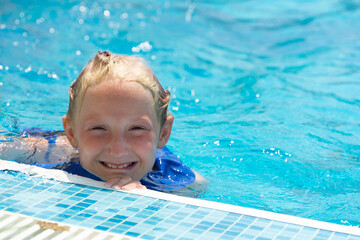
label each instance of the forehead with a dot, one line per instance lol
(120, 88)
(122, 97)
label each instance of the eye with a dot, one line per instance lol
(97, 128)
(137, 128)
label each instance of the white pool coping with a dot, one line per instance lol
(60, 175)
(20, 226)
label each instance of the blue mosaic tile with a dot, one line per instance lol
(140, 216)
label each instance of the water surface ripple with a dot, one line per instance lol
(265, 95)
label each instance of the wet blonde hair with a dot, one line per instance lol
(107, 66)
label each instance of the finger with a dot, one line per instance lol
(141, 186)
(133, 185)
(117, 183)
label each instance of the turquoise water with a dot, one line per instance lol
(265, 94)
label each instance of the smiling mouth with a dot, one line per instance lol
(115, 166)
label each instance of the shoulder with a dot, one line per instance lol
(200, 182)
(199, 178)
(195, 189)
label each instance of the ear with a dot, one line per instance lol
(165, 132)
(69, 131)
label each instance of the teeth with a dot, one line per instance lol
(117, 166)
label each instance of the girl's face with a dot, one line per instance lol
(117, 131)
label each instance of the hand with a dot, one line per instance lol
(124, 183)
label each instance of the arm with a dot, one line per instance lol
(34, 149)
(196, 189)
(17, 148)
(199, 178)
(124, 183)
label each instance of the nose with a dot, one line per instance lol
(118, 146)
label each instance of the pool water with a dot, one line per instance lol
(265, 95)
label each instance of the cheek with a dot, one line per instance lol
(145, 139)
(89, 140)
(145, 146)
(89, 147)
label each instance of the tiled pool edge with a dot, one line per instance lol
(61, 176)
(35, 227)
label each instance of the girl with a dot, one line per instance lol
(116, 130)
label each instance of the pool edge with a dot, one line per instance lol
(66, 177)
